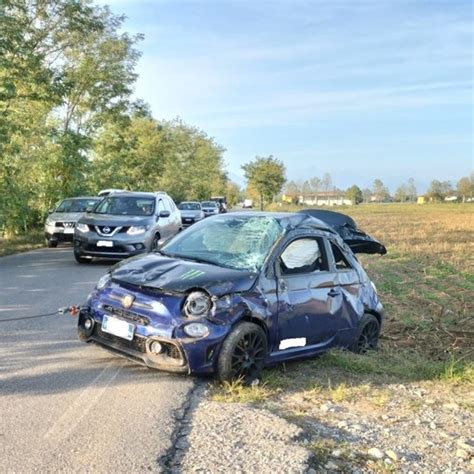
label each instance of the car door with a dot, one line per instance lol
(165, 229)
(348, 281)
(309, 299)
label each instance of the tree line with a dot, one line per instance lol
(68, 123)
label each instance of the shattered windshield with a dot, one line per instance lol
(239, 242)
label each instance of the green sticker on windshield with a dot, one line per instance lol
(191, 274)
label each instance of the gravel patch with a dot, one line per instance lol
(223, 438)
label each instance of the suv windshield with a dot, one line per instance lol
(241, 243)
(209, 204)
(189, 206)
(126, 206)
(76, 205)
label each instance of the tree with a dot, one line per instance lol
(411, 190)
(266, 175)
(438, 190)
(292, 190)
(326, 183)
(401, 194)
(65, 69)
(233, 193)
(354, 193)
(366, 194)
(465, 187)
(381, 191)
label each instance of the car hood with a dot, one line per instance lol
(346, 227)
(110, 220)
(190, 213)
(176, 275)
(65, 216)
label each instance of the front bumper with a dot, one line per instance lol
(181, 353)
(59, 236)
(89, 246)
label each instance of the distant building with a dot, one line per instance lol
(324, 198)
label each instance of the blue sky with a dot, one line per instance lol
(359, 89)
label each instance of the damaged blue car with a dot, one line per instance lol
(237, 292)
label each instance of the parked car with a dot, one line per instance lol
(191, 212)
(210, 208)
(125, 224)
(60, 224)
(237, 292)
(247, 204)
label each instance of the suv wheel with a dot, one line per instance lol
(80, 259)
(155, 243)
(51, 243)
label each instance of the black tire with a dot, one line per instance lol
(155, 242)
(80, 259)
(367, 336)
(243, 353)
(51, 243)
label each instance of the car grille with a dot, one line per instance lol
(128, 315)
(69, 225)
(137, 343)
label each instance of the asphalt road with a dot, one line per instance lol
(65, 405)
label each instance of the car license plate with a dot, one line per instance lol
(117, 327)
(69, 230)
(187, 220)
(105, 243)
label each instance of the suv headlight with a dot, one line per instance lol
(82, 227)
(197, 304)
(102, 283)
(137, 230)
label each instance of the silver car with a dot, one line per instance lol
(191, 212)
(210, 208)
(60, 224)
(126, 224)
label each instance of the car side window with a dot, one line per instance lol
(167, 204)
(161, 206)
(340, 260)
(305, 255)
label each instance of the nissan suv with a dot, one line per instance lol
(126, 224)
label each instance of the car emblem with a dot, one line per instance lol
(106, 230)
(127, 301)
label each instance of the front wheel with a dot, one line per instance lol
(243, 353)
(51, 243)
(367, 336)
(155, 244)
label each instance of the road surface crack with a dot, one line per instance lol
(170, 461)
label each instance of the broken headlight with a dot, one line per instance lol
(198, 303)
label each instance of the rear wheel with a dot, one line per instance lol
(367, 336)
(243, 353)
(80, 259)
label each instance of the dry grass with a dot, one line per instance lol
(21, 243)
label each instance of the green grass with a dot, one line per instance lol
(23, 243)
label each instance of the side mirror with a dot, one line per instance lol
(50, 211)
(89, 209)
(164, 214)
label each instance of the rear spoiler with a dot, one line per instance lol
(346, 227)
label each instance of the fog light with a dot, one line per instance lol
(88, 323)
(139, 246)
(156, 347)
(196, 330)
